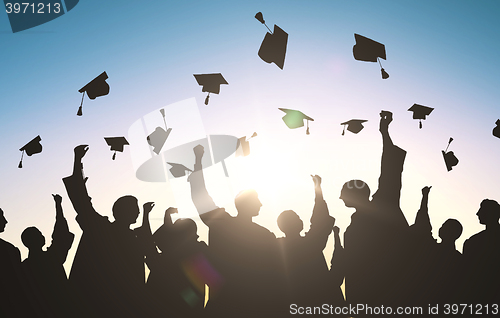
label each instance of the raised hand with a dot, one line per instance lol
(385, 120)
(80, 151)
(426, 190)
(316, 180)
(148, 206)
(57, 198)
(199, 151)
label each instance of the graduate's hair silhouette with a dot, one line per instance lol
(244, 254)
(47, 282)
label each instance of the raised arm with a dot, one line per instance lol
(337, 269)
(385, 120)
(387, 196)
(321, 221)
(62, 238)
(144, 233)
(199, 194)
(75, 185)
(422, 221)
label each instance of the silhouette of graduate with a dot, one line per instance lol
(108, 273)
(377, 226)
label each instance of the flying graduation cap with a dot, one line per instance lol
(178, 170)
(31, 148)
(95, 88)
(116, 144)
(158, 137)
(368, 50)
(243, 146)
(211, 83)
(449, 157)
(295, 119)
(354, 125)
(496, 130)
(273, 47)
(420, 112)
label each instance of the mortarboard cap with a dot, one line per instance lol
(95, 88)
(243, 146)
(32, 147)
(116, 144)
(496, 130)
(420, 112)
(449, 157)
(178, 170)
(354, 125)
(295, 119)
(211, 83)
(273, 47)
(158, 137)
(368, 50)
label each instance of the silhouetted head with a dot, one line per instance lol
(489, 212)
(450, 230)
(247, 203)
(290, 223)
(126, 210)
(3, 221)
(32, 238)
(355, 194)
(186, 229)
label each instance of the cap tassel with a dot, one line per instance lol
(21, 162)
(307, 130)
(80, 113)
(114, 155)
(449, 142)
(343, 131)
(420, 124)
(260, 17)
(385, 75)
(206, 99)
(162, 111)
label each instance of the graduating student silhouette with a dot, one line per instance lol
(372, 242)
(108, 273)
(245, 254)
(482, 257)
(44, 270)
(13, 299)
(436, 268)
(307, 276)
(176, 282)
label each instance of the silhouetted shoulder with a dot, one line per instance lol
(216, 216)
(8, 249)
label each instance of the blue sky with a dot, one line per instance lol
(440, 54)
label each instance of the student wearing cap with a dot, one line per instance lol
(44, 269)
(244, 253)
(482, 256)
(372, 251)
(13, 299)
(307, 276)
(108, 274)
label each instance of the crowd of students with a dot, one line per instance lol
(248, 271)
